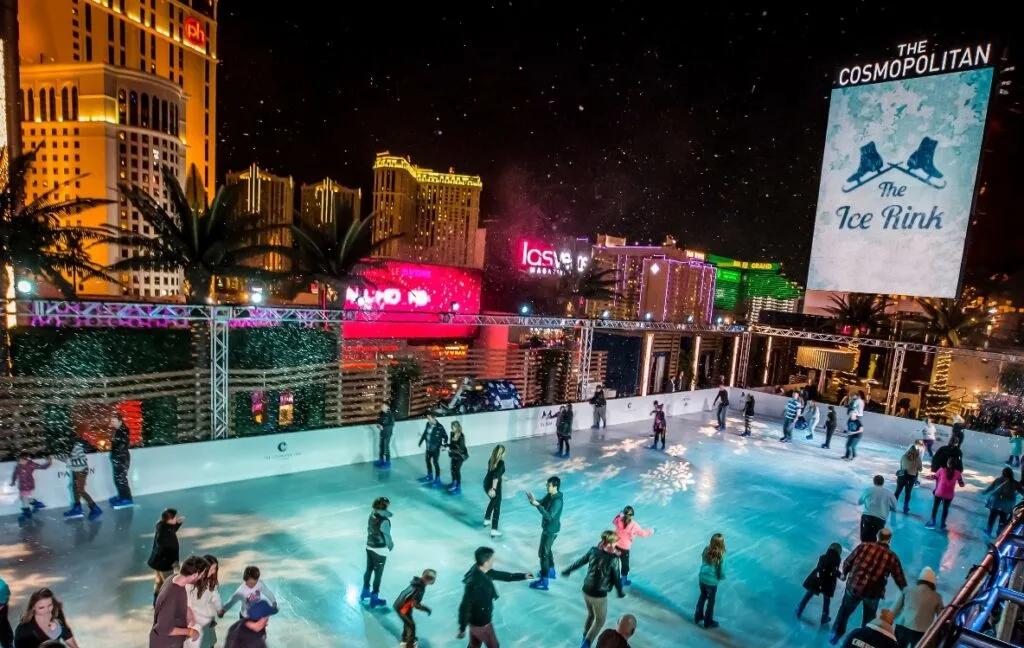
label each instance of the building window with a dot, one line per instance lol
(42, 105)
(74, 105)
(53, 105)
(88, 47)
(152, 46)
(206, 97)
(174, 120)
(170, 54)
(110, 54)
(181, 57)
(88, 17)
(156, 114)
(110, 27)
(65, 103)
(133, 109)
(163, 117)
(122, 30)
(122, 108)
(30, 107)
(124, 61)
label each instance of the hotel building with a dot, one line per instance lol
(436, 214)
(273, 198)
(329, 207)
(113, 90)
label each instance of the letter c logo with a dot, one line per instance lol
(281, 447)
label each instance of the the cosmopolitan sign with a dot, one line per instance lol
(919, 58)
(543, 259)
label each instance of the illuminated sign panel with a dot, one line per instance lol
(194, 32)
(544, 259)
(415, 288)
(898, 175)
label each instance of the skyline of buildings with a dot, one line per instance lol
(273, 198)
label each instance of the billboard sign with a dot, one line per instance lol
(544, 259)
(397, 286)
(899, 173)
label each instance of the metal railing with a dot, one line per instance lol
(984, 611)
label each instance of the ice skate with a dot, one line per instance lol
(487, 522)
(495, 533)
(930, 524)
(923, 160)
(710, 625)
(25, 515)
(457, 490)
(376, 601)
(540, 584)
(122, 504)
(426, 479)
(365, 594)
(552, 574)
(871, 166)
(95, 512)
(436, 483)
(74, 513)
(37, 505)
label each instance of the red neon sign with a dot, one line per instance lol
(194, 32)
(415, 288)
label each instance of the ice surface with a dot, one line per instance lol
(779, 507)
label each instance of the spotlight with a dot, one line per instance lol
(689, 319)
(454, 306)
(718, 321)
(24, 286)
(256, 297)
(524, 309)
(606, 314)
(648, 316)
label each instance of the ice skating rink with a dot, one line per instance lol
(779, 507)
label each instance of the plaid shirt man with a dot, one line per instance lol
(869, 566)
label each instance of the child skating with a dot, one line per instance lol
(25, 480)
(627, 529)
(78, 466)
(748, 414)
(436, 438)
(378, 546)
(822, 580)
(830, 427)
(1016, 448)
(929, 434)
(411, 599)
(659, 425)
(712, 572)
(250, 591)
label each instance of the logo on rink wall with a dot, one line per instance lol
(281, 447)
(282, 452)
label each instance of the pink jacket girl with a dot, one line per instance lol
(627, 529)
(947, 480)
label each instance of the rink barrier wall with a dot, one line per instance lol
(892, 430)
(191, 465)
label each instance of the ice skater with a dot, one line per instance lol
(867, 569)
(386, 427)
(723, 405)
(822, 580)
(603, 575)
(619, 636)
(1002, 497)
(204, 601)
(627, 530)
(411, 598)
(378, 546)
(78, 466)
(789, 417)
(712, 573)
(877, 633)
(878, 503)
(477, 606)
(916, 608)
(458, 453)
(906, 476)
(854, 425)
(563, 429)
(163, 559)
(950, 451)
(250, 631)
(436, 438)
(550, 509)
(120, 461)
(811, 415)
(748, 413)
(830, 427)
(947, 479)
(251, 591)
(600, 404)
(6, 631)
(660, 425)
(24, 479)
(929, 434)
(492, 486)
(1016, 448)
(173, 620)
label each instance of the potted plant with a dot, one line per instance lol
(402, 373)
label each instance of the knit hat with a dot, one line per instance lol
(927, 575)
(260, 609)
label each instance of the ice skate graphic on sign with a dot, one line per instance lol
(921, 165)
(871, 166)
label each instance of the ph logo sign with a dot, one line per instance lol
(194, 32)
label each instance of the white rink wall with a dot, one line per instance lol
(170, 468)
(900, 432)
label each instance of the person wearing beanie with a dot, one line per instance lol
(876, 634)
(916, 609)
(478, 598)
(602, 576)
(251, 630)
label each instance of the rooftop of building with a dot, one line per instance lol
(385, 160)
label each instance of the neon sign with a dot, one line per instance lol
(394, 286)
(542, 259)
(194, 32)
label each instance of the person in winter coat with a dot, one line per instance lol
(878, 503)
(550, 509)
(378, 546)
(1016, 448)
(929, 435)
(603, 575)
(173, 620)
(712, 573)
(24, 478)
(458, 453)
(1002, 496)
(748, 414)
(120, 461)
(627, 529)
(204, 601)
(916, 609)
(723, 405)
(830, 426)
(948, 452)
(164, 556)
(947, 479)
(854, 425)
(78, 466)
(957, 429)
(250, 631)
(876, 634)
(436, 438)
(660, 425)
(822, 580)
(563, 429)
(42, 621)
(600, 404)
(492, 486)
(386, 426)
(867, 570)
(478, 597)
(411, 599)
(906, 478)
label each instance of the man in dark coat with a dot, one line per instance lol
(949, 451)
(550, 509)
(478, 598)
(600, 404)
(436, 438)
(618, 637)
(876, 634)
(386, 425)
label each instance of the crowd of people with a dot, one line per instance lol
(187, 603)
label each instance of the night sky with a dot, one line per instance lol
(620, 117)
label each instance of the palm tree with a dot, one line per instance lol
(863, 314)
(203, 241)
(575, 287)
(949, 324)
(34, 243)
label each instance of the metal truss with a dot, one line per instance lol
(60, 312)
(892, 396)
(220, 406)
(585, 350)
(744, 364)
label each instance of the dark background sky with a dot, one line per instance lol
(617, 117)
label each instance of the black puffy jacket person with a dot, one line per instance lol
(603, 575)
(120, 460)
(436, 438)
(478, 597)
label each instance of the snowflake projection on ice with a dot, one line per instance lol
(597, 479)
(661, 484)
(624, 446)
(677, 450)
